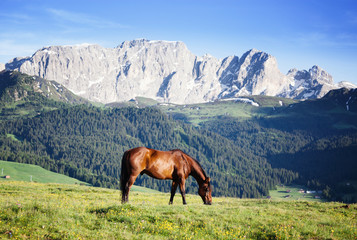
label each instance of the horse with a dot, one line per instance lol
(174, 164)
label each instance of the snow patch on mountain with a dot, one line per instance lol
(242, 100)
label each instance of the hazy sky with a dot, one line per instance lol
(299, 33)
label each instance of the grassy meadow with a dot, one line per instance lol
(197, 113)
(293, 192)
(34, 173)
(31, 210)
(29, 172)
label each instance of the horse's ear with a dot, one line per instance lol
(207, 180)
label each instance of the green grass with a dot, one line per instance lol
(21, 109)
(291, 193)
(143, 101)
(54, 211)
(28, 172)
(197, 113)
(140, 102)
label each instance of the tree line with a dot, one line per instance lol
(310, 145)
(87, 143)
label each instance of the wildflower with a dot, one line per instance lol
(9, 233)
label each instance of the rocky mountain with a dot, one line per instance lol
(314, 83)
(2, 67)
(169, 72)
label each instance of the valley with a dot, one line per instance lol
(257, 101)
(247, 145)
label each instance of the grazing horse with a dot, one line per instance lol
(174, 165)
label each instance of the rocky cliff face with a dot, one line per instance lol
(314, 83)
(2, 67)
(168, 72)
(255, 73)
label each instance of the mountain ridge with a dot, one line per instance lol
(17, 86)
(168, 72)
(46, 132)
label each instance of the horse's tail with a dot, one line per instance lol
(124, 172)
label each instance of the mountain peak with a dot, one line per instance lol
(254, 55)
(254, 50)
(320, 75)
(145, 42)
(74, 46)
(133, 43)
(169, 72)
(316, 68)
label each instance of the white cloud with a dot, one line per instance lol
(10, 49)
(63, 16)
(15, 17)
(326, 40)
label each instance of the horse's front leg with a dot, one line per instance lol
(173, 191)
(183, 192)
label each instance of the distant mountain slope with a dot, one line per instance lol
(15, 86)
(315, 138)
(87, 142)
(21, 94)
(33, 173)
(344, 98)
(169, 72)
(237, 141)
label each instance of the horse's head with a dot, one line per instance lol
(205, 192)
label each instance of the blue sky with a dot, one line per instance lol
(299, 33)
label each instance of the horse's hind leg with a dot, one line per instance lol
(129, 183)
(125, 191)
(173, 191)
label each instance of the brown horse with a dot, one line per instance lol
(174, 165)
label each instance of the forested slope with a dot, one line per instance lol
(317, 139)
(245, 150)
(88, 142)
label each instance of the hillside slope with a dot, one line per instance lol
(32, 173)
(24, 95)
(303, 141)
(87, 143)
(316, 138)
